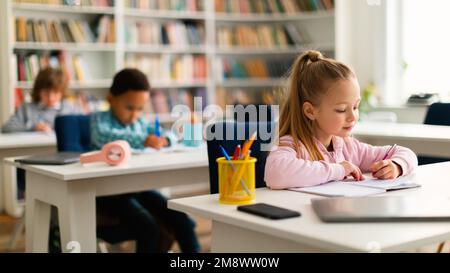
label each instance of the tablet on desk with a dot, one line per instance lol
(382, 209)
(60, 158)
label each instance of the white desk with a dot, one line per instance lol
(73, 189)
(427, 140)
(18, 144)
(235, 231)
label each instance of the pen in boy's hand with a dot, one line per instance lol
(157, 129)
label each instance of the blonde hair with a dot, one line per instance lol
(309, 80)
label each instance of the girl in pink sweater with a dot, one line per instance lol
(316, 122)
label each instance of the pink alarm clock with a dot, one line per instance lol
(113, 153)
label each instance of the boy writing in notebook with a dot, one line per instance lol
(138, 211)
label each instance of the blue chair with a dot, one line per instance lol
(235, 130)
(73, 135)
(437, 114)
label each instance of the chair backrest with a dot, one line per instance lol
(73, 133)
(438, 114)
(235, 130)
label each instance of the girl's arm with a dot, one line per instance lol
(365, 155)
(285, 170)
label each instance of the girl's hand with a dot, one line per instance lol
(43, 127)
(156, 142)
(353, 170)
(386, 169)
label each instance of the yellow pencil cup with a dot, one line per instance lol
(236, 181)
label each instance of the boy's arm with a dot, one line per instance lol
(18, 122)
(102, 133)
(169, 135)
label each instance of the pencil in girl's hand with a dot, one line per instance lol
(392, 148)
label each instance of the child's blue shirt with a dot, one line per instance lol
(105, 128)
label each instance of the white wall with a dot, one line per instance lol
(361, 38)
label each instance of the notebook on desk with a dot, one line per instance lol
(369, 186)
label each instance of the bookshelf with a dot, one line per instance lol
(257, 41)
(196, 54)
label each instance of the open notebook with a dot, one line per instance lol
(172, 149)
(369, 186)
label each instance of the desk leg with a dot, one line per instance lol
(37, 221)
(77, 218)
(2, 183)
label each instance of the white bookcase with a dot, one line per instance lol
(104, 60)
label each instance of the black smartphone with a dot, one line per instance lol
(269, 211)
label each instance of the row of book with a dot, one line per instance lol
(174, 33)
(89, 3)
(252, 68)
(272, 6)
(163, 101)
(67, 31)
(237, 96)
(28, 66)
(167, 68)
(177, 5)
(263, 35)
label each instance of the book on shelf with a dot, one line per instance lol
(251, 68)
(237, 96)
(28, 65)
(64, 31)
(272, 6)
(89, 3)
(175, 5)
(163, 101)
(262, 35)
(167, 68)
(174, 33)
(88, 102)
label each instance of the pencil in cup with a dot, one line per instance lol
(233, 168)
(240, 194)
(237, 176)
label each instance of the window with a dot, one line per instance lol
(425, 48)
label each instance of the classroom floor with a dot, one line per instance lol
(7, 225)
(203, 230)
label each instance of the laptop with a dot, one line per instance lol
(382, 209)
(60, 158)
